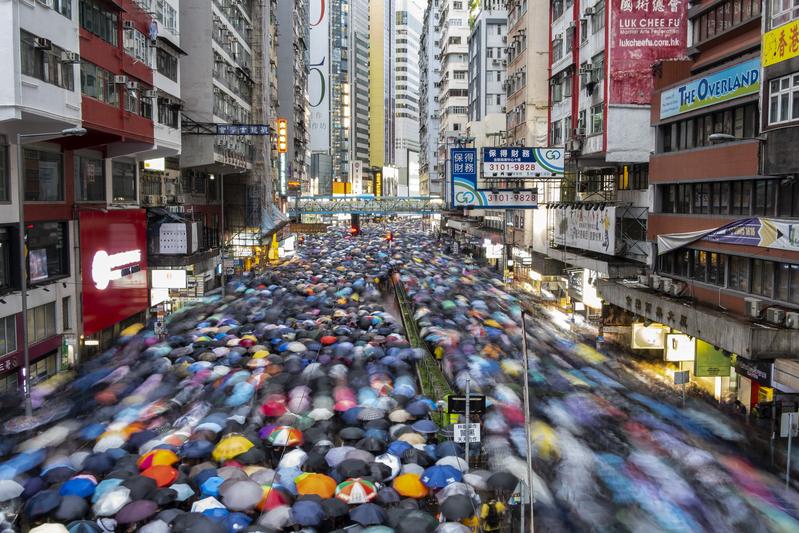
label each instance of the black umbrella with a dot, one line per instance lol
(196, 523)
(379, 471)
(457, 507)
(502, 481)
(370, 444)
(351, 433)
(42, 503)
(141, 487)
(368, 514)
(353, 468)
(71, 508)
(412, 521)
(388, 495)
(412, 455)
(333, 508)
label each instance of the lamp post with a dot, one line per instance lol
(529, 456)
(23, 270)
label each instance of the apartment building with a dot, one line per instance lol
(430, 181)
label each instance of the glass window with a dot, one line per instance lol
(8, 334)
(741, 195)
(44, 175)
(4, 174)
(794, 284)
(783, 274)
(783, 11)
(783, 99)
(5, 259)
(41, 322)
(724, 198)
(45, 63)
(700, 265)
(167, 64)
(98, 19)
(47, 251)
(598, 18)
(739, 273)
(98, 83)
(89, 179)
(597, 118)
(65, 313)
(124, 182)
(135, 44)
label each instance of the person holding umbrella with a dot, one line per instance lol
(492, 514)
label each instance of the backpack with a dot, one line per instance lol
(492, 517)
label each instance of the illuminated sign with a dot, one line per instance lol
(168, 279)
(649, 337)
(378, 184)
(155, 164)
(680, 347)
(282, 135)
(106, 268)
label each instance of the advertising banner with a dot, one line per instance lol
(781, 43)
(114, 262)
(680, 347)
(641, 33)
(710, 361)
(319, 75)
(780, 234)
(522, 162)
(586, 227)
(759, 371)
(739, 80)
(463, 165)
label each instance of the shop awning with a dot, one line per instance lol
(273, 219)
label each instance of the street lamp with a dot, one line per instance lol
(23, 288)
(529, 454)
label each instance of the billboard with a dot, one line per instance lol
(587, 227)
(779, 234)
(522, 162)
(641, 33)
(652, 337)
(319, 75)
(781, 43)
(114, 262)
(710, 361)
(464, 191)
(738, 80)
(680, 347)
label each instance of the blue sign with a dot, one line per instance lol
(739, 80)
(516, 162)
(463, 164)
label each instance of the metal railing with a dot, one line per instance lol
(365, 205)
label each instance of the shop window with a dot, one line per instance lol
(45, 64)
(4, 174)
(43, 176)
(5, 259)
(48, 253)
(739, 273)
(98, 19)
(89, 179)
(8, 334)
(98, 83)
(784, 99)
(9, 383)
(41, 322)
(43, 368)
(124, 182)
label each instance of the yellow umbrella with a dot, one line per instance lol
(319, 484)
(410, 486)
(491, 323)
(589, 354)
(260, 354)
(544, 439)
(131, 330)
(158, 457)
(231, 446)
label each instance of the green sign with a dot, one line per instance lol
(710, 361)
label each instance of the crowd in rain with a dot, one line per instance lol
(293, 404)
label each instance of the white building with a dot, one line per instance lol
(430, 182)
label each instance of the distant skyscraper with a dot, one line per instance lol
(429, 73)
(381, 80)
(408, 24)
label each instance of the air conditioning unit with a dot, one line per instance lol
(120, 78)
(754, 307)
(502, 110)
(149, 93)
(132, 86)
(70, 57)
(586, 69)
(574, 145)
(677, 288)
(643, 279)
(792, 320)
(589, 11)
(775, 315)
(128, 25)
(42, 44)
(657, 282)
(579, 132)
(666, 285)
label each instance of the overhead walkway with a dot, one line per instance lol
(365, 205)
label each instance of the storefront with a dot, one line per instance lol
(113, 248)
(755, 381)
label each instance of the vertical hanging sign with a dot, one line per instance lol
(319, 75)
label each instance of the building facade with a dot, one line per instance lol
(382, 129)
(430, 182)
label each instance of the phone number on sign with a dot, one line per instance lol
(511, 196)
(510, 167)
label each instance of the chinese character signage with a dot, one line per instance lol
(463, 165)
(781, 43)
(739, 80)
(319, 75)
(710, 361)
(522, 162)
(242, 129)
(642, 32)
(773, 233)
(586, 227)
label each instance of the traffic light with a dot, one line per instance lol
(390, 236)
(354, 231)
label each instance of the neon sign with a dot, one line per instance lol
(106, 268)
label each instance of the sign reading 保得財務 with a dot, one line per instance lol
(739, 80)
(642, 32)
(465, 193)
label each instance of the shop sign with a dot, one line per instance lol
(652, 337)
(155, 164)
(465, 194)
(773, 233)
(781, 44)
(492, 251)
(710, 361)
(759, 371)
(586, 227)
(8, 364)
(319, 83)
(522, 162)
(680, 347)
(168, 279)
(739, 80)
(115, 280)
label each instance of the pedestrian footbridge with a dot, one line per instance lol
(365, 205)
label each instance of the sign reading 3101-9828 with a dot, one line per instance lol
(516, 162)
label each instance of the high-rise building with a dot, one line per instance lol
(429, 72)
(292, 67)
(407, 34)
(358, 85)
(381, 82)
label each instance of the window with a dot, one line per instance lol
(48, 253)
(557, 9)
(132, 101)
(44, 175)
(65, 314)
(402, 18)
(598, 18)
(556, 133)
(124, 182)
(741, 196)
(783, 99)
(741, 121)
(4, 174)
(557, 48)
(41, 322)
(596, 118)
(8, 334)
(43, 368)
(783, 11)
(168, 113)
(739, 273)
(89, 179)
(788, 199)
(96, 18)
(135, 45)
(584, 30)
(98, 83)
(166, 15)
(5, 259)
(45, 64)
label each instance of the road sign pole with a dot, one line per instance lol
(468, 425)
(788, 460)
(529, 454)
(683, 395)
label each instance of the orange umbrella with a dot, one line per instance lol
(319, 484)
(410, 486)
(157, 458)
(162, 474)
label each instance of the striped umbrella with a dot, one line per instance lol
(356, 490)
(285, 436)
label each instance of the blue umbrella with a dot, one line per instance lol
(425, 426)
(237, 521)
(210, 487)
(307, 513)
(398, 447)
(439, 476)
(196, 449)
(449, 448)
(79, 486)
(369, 514)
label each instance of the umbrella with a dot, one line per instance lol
(355, 491)
(111, 502)
(335, 508)
(439, 476)
(410, 486)
(353, 468)
(502, 481)
(388, 495)
(9, 489)
(313, 483)
(42, 503)
(457, 463)
(272, 497)
(231, 446)
(457, 507)
(368, 514)
(278, 518)
(136, 512)
(158, 457)
(307, 513)
(241, 495)
(405, 521)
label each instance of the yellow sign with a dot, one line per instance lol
(781, 43)
(341, 187)
(282, 135)
(378, 184)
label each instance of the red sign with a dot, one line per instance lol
(113, 248)
(643, 32)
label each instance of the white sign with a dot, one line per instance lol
(319, 75)
(158, 296)
(652, 337)
(106, 268)
(492, 251)
(460, 432)
(680, 347)
(155, 164)
(588, 227)
(524, 162)
(168, 279)
(178, 238)
(789, 424)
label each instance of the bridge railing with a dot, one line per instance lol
(365, 205)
